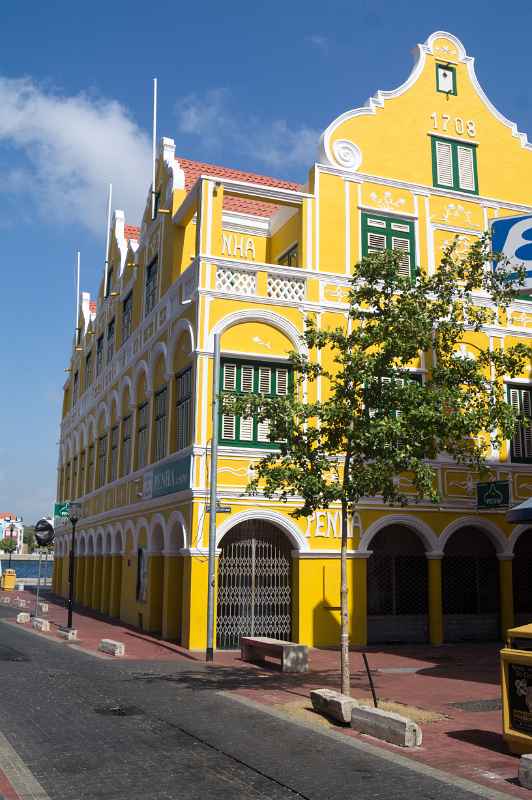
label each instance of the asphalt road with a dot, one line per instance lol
(90, 729)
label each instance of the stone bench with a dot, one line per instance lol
(40, 624)
(23, 617)
(386, 725)
(111, 647)
(70, 634)
(293, 657)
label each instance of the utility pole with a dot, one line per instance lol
(209, 654)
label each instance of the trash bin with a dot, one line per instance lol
(9, 579)
(516, 686)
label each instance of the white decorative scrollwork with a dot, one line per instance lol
(347, 154)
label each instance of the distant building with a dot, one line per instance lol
(12, 526)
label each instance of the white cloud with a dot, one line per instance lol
(68, 149)
(220, 128)
(319, 42)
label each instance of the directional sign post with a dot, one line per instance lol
(62, 509)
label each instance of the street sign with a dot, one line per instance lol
(220, 509)
(512, 237)
(61, 509)
(493, 494)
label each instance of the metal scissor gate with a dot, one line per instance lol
(254, 584)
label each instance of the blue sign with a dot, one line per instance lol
(512, 237)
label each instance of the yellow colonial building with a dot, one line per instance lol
(251, 257)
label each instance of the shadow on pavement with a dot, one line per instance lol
(488, 740)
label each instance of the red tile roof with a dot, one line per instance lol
(93, 306)
(131, 232)
(193, 169)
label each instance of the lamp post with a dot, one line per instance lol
(74, 513)
(11, 530)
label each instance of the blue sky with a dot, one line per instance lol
(250, 85)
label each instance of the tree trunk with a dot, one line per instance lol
(344, 609)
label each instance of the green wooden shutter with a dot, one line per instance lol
(389, 233)
(444, 164)
(466, 168)
(521, 445)
(454, 165)
(229, 384)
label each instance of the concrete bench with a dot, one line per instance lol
(23, 617)
(293, 657)
(40, 624)
(386, 725)
(111, 647)
(70, 634)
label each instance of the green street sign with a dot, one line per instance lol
(494, 494)
(172, 476)
(61, 509)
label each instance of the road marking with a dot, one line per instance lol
(17, 773)
(387, 755)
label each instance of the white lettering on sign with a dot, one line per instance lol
(448, 124)
(328, 525)
(240, 246)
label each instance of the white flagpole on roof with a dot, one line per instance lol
(154, 148)
(105, 277)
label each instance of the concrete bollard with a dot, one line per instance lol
(6, 601)
(386, 725)
(70, 634)
(23, 617)
(21, 603)
(525, 771)
(43, 607)
(333, 704)
(111, 647)
(40, 624)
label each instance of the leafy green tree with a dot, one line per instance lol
(8, 544)
(29, 538)
(375, 422)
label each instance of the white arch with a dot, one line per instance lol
(90, 542)
(157, 521)
(142, 524)
(118, 541)
(126, 385)
(108, 541)
(279, 520)
(91, 423)
(99, 541)
(129, 527)
(141, 367)
(258, 315)
(159, 349)
(176, 518)
(424, 531)
(114, 399)
(182, 326)
(83, 434)
(103, 410)
(495, 534)
(515, 535)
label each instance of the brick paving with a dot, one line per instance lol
(466, 742)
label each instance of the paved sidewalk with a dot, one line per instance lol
(452, 690)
